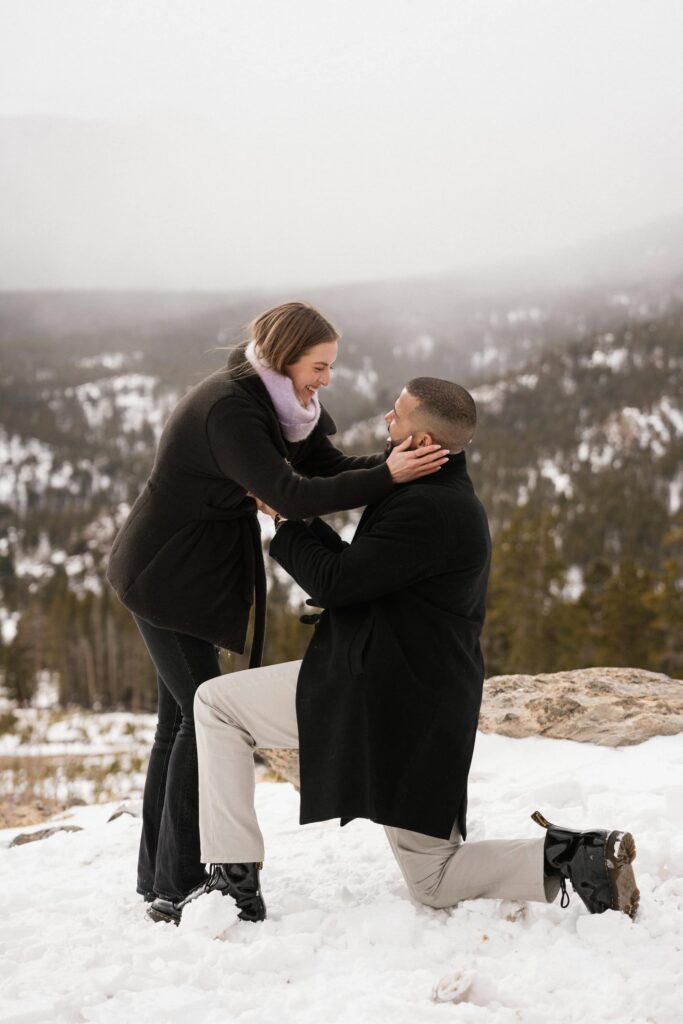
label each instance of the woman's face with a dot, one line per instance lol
(312, 370)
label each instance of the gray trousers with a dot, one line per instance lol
(256, 708)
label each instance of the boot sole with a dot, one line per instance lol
(620, 852)
(158, 917)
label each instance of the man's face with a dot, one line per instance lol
(401, 419)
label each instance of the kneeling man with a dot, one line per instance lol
(384, 706)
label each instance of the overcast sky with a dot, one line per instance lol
(240, 143)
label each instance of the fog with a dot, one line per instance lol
(234, 145)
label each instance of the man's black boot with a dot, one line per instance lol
(241, 881)
(597, 863)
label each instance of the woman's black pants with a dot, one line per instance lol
(169, 864)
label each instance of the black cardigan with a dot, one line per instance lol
(189, 556)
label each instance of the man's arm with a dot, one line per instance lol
(326, 535)
(402, 547)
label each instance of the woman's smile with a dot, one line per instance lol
(317, 362)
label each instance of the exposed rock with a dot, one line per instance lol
(609, 706)
(284, 763)
(43, 833)
(134, 808)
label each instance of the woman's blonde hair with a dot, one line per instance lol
(282, 334)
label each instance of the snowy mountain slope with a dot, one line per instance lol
(580, 417)
(584, 427)
(343, 941)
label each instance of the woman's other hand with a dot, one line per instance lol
(261, 506)
(406, 464)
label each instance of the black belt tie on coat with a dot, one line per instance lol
(259, 634)
(256, 570)
(255, 574)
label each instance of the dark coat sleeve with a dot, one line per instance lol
(244, 451)
(400, 548)
(326, 460)
(326, 535)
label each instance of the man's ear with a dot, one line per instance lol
(421, 440)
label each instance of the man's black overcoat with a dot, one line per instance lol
(390, 687)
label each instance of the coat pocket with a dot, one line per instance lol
(359, 644)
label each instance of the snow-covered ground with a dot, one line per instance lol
(343, 941)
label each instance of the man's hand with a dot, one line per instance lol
(262, 507)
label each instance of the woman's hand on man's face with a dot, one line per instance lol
(406, 464)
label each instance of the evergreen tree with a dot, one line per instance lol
(587, 611)
(527, 574)
(666, 604)
(624, 626)
(24, 657)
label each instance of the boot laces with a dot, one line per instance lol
(214, 877)
(241, 898)
(565, 894)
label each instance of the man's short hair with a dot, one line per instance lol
(446, 411)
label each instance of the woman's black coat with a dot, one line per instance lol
(189, 554)
(390, 687)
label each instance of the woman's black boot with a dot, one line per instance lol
(597, 863)
(241, 881)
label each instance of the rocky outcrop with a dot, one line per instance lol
(284, 763)
(44, 833)
(610, 706)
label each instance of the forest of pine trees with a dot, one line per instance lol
(592, 575)
(627, 614)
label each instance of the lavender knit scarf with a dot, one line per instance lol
(297, 421)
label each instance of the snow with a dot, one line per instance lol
(494, 395)
(423, 346)
(9, 621)
(533, 315)
(599, 457)
(614, 359)
(343, 941)
(371, 432)
(488, 355)
(573, 583)
(491, 395)
(363, 381)
(630, 427)
(32, 467)
(560, 481)
(74, 733)
(25, 461)
(135, 396)
(366, 380)
(109, 360)
(675, 493)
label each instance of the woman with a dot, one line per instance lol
(188, 560)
